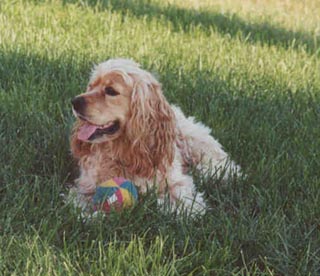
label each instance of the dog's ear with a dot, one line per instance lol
(150, 129)
(78, 147)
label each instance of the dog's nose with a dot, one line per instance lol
(78, 103)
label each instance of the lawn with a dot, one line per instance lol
(248, 69)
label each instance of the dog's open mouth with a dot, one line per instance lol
(89, 132)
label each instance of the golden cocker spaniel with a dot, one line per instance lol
(125, 127)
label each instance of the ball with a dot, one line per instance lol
(116, 193)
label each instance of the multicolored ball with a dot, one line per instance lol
(116, 193)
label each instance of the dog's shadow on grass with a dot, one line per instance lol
(183, 19)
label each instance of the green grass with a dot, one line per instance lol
(248, 70)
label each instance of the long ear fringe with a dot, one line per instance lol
(78, 148)
(150, 130)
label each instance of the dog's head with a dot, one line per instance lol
(125, 102)
(103, 109)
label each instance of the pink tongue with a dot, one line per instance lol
(86, 131)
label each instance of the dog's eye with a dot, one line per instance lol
(110, 91)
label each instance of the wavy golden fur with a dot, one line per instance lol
(146, 139)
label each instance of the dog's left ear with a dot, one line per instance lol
(150, 129)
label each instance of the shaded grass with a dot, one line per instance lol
(261, 99)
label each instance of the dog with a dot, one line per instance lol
(126, 127)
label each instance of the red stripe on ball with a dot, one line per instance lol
(106, 206)
(119, 196)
